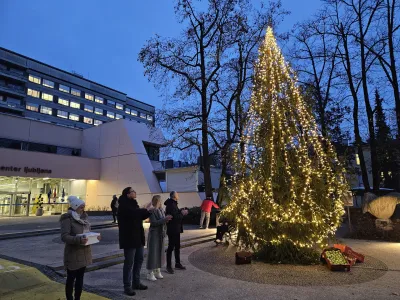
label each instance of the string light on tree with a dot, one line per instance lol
(287, 192)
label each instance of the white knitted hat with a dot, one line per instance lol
(75, 202)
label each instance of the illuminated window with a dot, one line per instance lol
(46, 110)
(63, 102)
(32, 106)
(34, 79)
(98, 111)
(143, 116)
(73, 117)
(64, 88)
(134, 112)
(89, 96)
(149, 118)
(110, 115)
(88, 108)
(62, 114)
(97, 122)
(33, 93)
(88, 120)
(75, 92)
(47, 97)
(128, 111)
(99, 99)
(48, 83)
(118, 116)
(119, 106)
(75, 104)
(111, 103)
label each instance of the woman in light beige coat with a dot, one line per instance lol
(76, 255)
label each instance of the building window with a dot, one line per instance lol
(47, 97)
(110, 114)
(75, 92)
(63, 102)
(153, 152)
(97, 122)
(63, 88)
(88, 108)
(75, 105)
(32, 107)
(34, 79)
(48, 83)
(62, 114)
(111, 103)
(88, 120)
(143, 116)
(134, 112)
(118, 116)
(149, 118)
(46, 110)
(89, 96)
(99, 99)
(73, 117)
(33, 93)
(128, 111)
(119, 106)
(98, 111)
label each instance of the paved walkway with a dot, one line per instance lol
(24, 224)
(197, 284)
(20, 282)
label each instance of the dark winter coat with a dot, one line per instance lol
(76, 256)
(130, 223)
(174, 226)
(113, 203)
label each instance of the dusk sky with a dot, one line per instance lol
(101, 39)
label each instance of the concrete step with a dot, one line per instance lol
(24, 234)
(102, 261)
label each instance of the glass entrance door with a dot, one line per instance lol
(5, 205)
(14, 204)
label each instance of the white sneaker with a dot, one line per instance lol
(151, 276)
(157, 274)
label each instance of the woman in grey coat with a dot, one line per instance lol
(155, 240)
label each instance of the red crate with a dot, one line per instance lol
(334, 267)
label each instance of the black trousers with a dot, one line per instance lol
(114, 212)
(221, 230)
(174, 243)
(75, 276)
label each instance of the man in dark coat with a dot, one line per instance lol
(131, 239)
(174, 230)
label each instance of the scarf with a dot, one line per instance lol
(77, 217)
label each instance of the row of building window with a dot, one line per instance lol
(61, 114)
(75, 92)
(65, 102)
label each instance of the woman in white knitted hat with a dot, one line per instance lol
(76, 255)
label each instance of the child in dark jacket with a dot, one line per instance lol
(221, 230)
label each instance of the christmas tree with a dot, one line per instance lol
(288, 187)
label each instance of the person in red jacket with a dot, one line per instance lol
(206, 210)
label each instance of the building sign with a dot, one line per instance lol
(26, 170)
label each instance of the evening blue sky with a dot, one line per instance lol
(101, 39)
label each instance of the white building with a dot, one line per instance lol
(40, 161)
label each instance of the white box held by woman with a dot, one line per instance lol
(91, 236)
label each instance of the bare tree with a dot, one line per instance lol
(210, 68)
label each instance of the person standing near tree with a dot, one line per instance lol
(155, 240)
(206, 211)
(131, 239)
(174, 230)
(114, 208)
